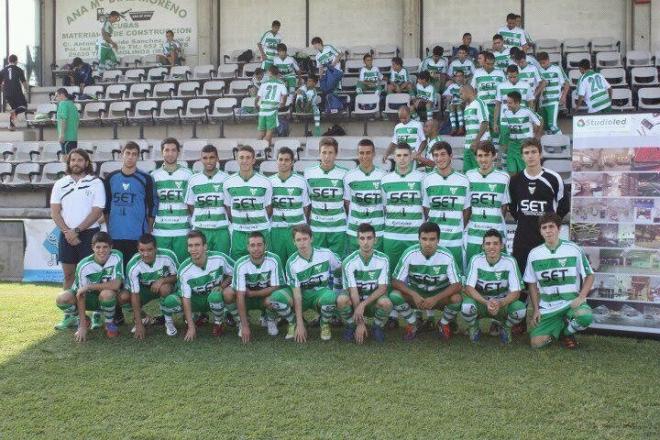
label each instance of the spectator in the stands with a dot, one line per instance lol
(467, 41)
(399, 81)
(80, 74)
(67, 121)
(172, 51)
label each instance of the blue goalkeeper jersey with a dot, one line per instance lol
(130, 200)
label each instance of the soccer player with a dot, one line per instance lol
(97, 282)
(267, 45)
(256, 276)
(76, 206)
(306, 102)
(555, 93)
(206, 202)
(427, 278)
(151, 274)
(424, 99)
(489, 194)
(399, 80)
(593, 89)
(534, 192)
(516, 124)
(513, 35)
(370, 77)
(106, 46)
(485, 81)
(327, 55)
(68, 120)
(291, 204)
(408, 131)
(436, 65)
(363, 199)
(172, 50)
(13, 83)
(452, 96)
(462, 63)
(402, 199)
(171, 180)
(423, 155)
(492, 289)
(476, 125)
(310, 273)
(512, 84)
(366, 279)
(446, 200)
(325, 183)
(248, 201)
(204, 280)
(501, 53)
(270, 98)
(559, 278)
(528, 72)
(287, 67)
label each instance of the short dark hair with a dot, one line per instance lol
(101, 237)
(584, 64)
(364, 228)
(196, 234)
(329, 142)
(89, 169)
(302, 228)
(12, 58)
(275, 23)
(77, 61)
(488, 55)
(498, 37)
(514, 51)
(114, 14)
(492, 233)
(512, 68)
(317, 40)
(467, 34)
(519, 55)
(131, 145)
(258, 71)
(531, 142)
(170, 140)
(169, 31)
(313, 77)
(273, 70)
(427, 227)
(256, 234)
(398, 61)
(247, 148)
(403, 146)
(438, 50)
(511, 16)
(459, 71)
(425, 75)
(487, 147)
(550, 217)
(515, 95)
(366, 55)
(366, 142)
(542, 56)
(208, 148)
(442, 145)
(281, 46)
(463, 48)
(286, 150)
(147, 238)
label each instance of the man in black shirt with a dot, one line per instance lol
(13, 82)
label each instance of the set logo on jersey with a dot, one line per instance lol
(126, 186)
(208, 200)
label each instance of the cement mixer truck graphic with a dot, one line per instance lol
(101, 15)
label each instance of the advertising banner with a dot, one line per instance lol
(40, 260)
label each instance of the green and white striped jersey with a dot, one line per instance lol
(466, 66)
(485, 83)
(287, 66)
(399, 77)
(89, 271)
(427, 150)
(556, 78)
(453, 93)
(248, 199)
(140, 274)
(488, 194)
(108, 29)
(594, 88)
(523, 87)
(370, 75)
(290, 197)
(446, 197)
(206, 196)
(494, 280)
(366, 274)
(309, 95)
(196, 280)
(502, 59)
(327, 54)
(172, 217)
(513, 37)
(474, 115)
(425, 92)
(251, 276)
(432, 66)
(558, 273)
(326, 193)
(530, 74)
(427, 275)
(270, 96)
(171, 46)
(363, 192)
(402, 197)
(519, 125)
(412, 133)
(322, 270)
(269, 41)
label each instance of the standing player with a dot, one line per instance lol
(513, 35)
(105, 45)
(204, 280)
(248, 199)
(325, 183)
(555, 93)
(476, 126)
(485, 82)
(268, 45)
(270, 98)
(436, 65)
(501, 53)
(98, 279)
(369, 78)
(559, 277)
(206, 202)
(150, 275)
(366, 278)
(512, 84)
(363, 199)
(12, 79)
(516, 124)
(593, 89)
(171, 180)
(427, 277)
(492, 288)
(489, 194)
(534, 192)
(290, 204)
(423, 155)
(402, 199)
(530, 73)
(287, 67)
(68, 121)
(446, 200)
(256, 276)
(327, 55)
(408, 131)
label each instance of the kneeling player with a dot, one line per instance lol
(97, 281)
(493, 287)
(150, 275)
(256, 276)
(204, 280)
(555, 271)
(427, 277)
(366, 273)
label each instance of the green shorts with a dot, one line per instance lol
(482, 310)
(469, 160)
(394, 249)
(178, 245)
(291, 83)
(254, 303)
(552, 324)
(281, 244)
(314, 299)
(514, 161)
(92, 302)
(370, 310)
(267, 123)
(146, 295)
(217, 239)
(335, 241)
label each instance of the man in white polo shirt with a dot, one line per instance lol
(76, 205)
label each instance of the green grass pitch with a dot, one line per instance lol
(162, 388)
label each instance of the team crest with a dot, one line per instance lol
(376, 185)
(178, 184)
(334, 182)
(562, 262)
(492, 187)
(531, 189)
(411, 185)
(253, 191)
(216, 188)
(317, 268)
(372, 275)
(498, 275)
(126, 186)
(453, 190)
(291, 191)
(436, 270)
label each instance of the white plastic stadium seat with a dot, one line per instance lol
(213, 88)
(117, 112)
(21, 151)
(231, 167)
(188, 89)
(573, 59)
(180, 72)
(247, 103)
(574, 76)
(50, 151)
(170, 111)
(644, 76)
(622, 99)
(149, 60)
(638, 58)
(357, 52)
(223, 108)
(395, 100)
(575, 45)
(563, 167)
(135, 75)
(192, 148)
(205, 71)
(366, 105)
(268, 167)
(116, 91)
(94, 91)
(239, 87)
(111, 76)
(227, 71)
(144, 112)
(649, 98)
(616, 77)
(383, 64)
(26, 173)
(163, 90)
(411, 64)
(107, 150)
(604, 44)
(549, 45)
(146, 165)
(156, 73)
(249, 68)
(385, 51)
(52, 172)
(108, 167)
(353, 66)
(556, 146)
(608, 59)
(196, 110)
(92, 113)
